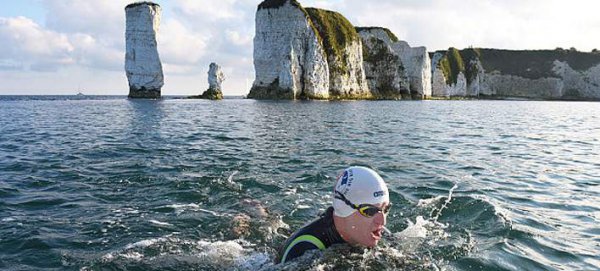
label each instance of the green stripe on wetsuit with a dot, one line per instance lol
(303, 238)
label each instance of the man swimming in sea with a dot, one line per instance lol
(360, 206)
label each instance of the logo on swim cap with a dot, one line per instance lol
(345, 181)
(345, 178)
(378, 194)
(360, 185)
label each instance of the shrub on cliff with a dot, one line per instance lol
(452, 64)
(336, 33)
(135, 4)
(535, 64)
(276, 4)
(389, 33)
(470, 57)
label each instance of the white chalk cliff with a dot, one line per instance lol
(298, 55)
(142, 62)
(418, 66)
(392, 64)
(289, 60)
(384, 70)
(527, 74)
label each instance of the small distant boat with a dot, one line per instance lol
(80, 94)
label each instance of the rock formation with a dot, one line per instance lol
(142, 63)
(306, 54)
(393, 69)
(343, 48)
(215, 78)
(384, 70)
(541, 74)
(289, 59)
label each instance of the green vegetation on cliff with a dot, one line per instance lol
(267, 4)
(142, 3)
(387, 31)
(336, 33)
(534, 64)
(377, 52)
(471, 57)
(452, 65)
(531, 64)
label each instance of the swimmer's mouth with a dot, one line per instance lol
(377, 234)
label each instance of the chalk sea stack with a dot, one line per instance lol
(142, 62)
(306, 54)
(215, 79)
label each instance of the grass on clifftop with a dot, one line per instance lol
(142, 3)
(387, 31)
(535, 64)
(336, 33)
(531, 64)
(276, 4)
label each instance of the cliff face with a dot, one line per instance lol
(384, 70)
(289, 60)
(418, 67)
(393, 65)
(142, 63)
(344, 54)
(306, 53)
(544, 74)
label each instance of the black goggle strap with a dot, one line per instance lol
(344, 199)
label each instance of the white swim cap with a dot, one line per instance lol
(359, 185)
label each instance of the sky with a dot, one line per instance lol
(61, 47)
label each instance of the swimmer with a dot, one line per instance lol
(358, 216)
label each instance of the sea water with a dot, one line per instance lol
(107, 183)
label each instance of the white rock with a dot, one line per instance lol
(351, 83)
(497, 84)
(289, 60)
(384, 70)
(414, 61)
(418, 66)
(215, 76)
(440, 88)
(142, 62)
(578, 84)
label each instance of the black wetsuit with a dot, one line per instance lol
(319, 234)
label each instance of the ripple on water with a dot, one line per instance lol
(105, 184)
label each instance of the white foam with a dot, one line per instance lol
(8, 219)
(415, 230)
(423, 203)
(230, 178)
(184, 206)
(302, 206)
(156, 222)
(144, 243)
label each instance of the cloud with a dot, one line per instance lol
(179, 45)
(28, 44)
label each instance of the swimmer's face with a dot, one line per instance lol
(366, 231)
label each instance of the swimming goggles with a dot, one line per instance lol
(366, 210)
